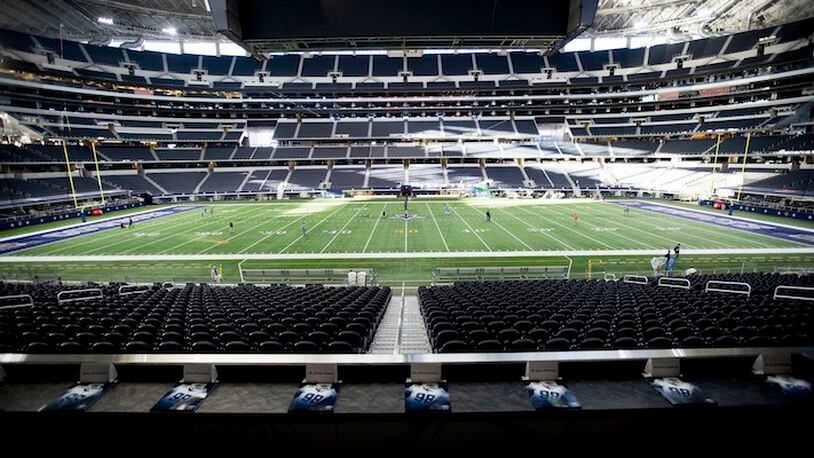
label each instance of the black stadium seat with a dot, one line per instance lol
(272, 346)
(454, 346)
(194, 318)
(556, 315)
(341, 347)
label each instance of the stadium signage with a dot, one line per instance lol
(200, 373)
(772, 364)
(321, 373)
(425, 372)
(542, 370)
(97, 373)
(662, 367)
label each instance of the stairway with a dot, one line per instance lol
(386, 338)
(401, 330)
(413, 337)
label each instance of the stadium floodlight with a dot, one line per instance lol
(105, 20)
(170, 30)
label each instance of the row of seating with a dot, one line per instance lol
(383, 66)
(594, 314)
(556, 315)
(360, 150)
(200, 319)
(543, 175)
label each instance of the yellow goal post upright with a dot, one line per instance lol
(743, 165)
(98, 174)
(68, 171)
(714, 164)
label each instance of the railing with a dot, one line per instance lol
(716, 287)
(29, 301)
(778, 295)
(367, 359)
(797, 270)
(126, 290)
(636, 279)
(668, 282)
(92, 293)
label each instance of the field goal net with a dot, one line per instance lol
(453, 274)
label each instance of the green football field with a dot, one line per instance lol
(336, 226)
(371, 234)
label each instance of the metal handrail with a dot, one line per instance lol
(16, 306)
(685, 283)
(798, 288)
(636, 279)
(747, 291)
(60, 301)
(133, 289)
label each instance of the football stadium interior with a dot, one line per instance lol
(355, 225)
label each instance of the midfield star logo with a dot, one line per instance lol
(406, 217)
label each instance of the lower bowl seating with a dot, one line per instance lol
(200, 319)
(562, 315)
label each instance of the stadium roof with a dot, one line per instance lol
(102, 20)
(688, 19)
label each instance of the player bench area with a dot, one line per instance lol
(350, 277)
(453, 274)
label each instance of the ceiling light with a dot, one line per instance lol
(105, 20)
(704, 12)
(170, 30)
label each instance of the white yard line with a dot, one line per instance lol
(370, 237)
(715, 229)
(571, 229)
(511, 234)
(535, 227)
(438, 227)
(603, 214)
(710, 229)
(470, 228)
(734, 228)
(741, 218)
(315, 226)
(86, 239)
(620, 235)
(217, 221)
(343, 228)
(159, 239)
(105, 217)
(175, 234)
(269, 235)
(243, 232)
